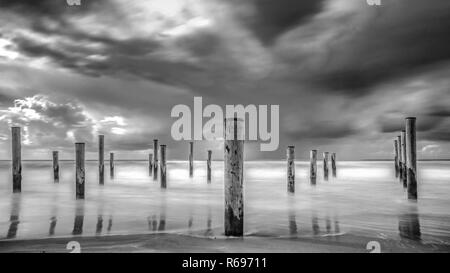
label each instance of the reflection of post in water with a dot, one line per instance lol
(291, 216)
(154, 223)
(328, 224)
(209, 231)
(99, 227)
(315, 224)
(208, 223)
(14, 217)
(79, 219)
(109, 224)
(162, 222)
(162, 214)
(53, 219)
(409, 225)
(336, 226)
(292, 223)
(51, 230)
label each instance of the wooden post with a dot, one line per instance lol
(16, 159)
(234, 177)
(163, 167)
(290, 154)
(325, 165)
(79, 170)
(101, 157)
(155, 159)
(333, 164)
(150, 165)
(396, 157)
(55, 166)
(313, 166)
(111, 165)
(191, 159)
(411, 157)
(208, 166)
(404, 156)
(400, 157)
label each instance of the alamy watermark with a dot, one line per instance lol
(257, 122)
(373, 2)
(73, 2)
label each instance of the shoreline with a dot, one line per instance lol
(180, 243)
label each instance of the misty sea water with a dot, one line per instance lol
(364, 200)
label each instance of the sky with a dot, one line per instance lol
(345, 74)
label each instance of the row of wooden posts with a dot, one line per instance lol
(405, 157)
(233, 169)
(290, 155)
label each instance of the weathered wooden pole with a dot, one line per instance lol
(313, 166)
(400, 157)
(150, 165)
(191, 159)
(55, 166)
(290, 157)
(234, 177)
(111, 165)
(404, 156)
(333, 164)
(163, 167)
(396, 163)
(16, 159)
(101, 159)
(79, 170)
(411, 157)
(155, 159)
(325, 165)
(208, 166)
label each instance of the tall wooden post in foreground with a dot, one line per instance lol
(101, 159)
(400, 158)
(16, 159)
(234, 177)
(155, 159)
(191, 159)
(396, 157)
(55, 166)
(290, 157)
(150, 165)
(313, 166)
(325, 165)
(411, 157)
(404, 156)
(79, 170)
(111, 165)
(333, 164)
(163, 167)
(208, 166)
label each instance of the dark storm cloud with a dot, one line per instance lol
(268, 19)
(114, 56)
(396, 123)
(396, 40)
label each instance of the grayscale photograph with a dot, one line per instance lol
(224, 127)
